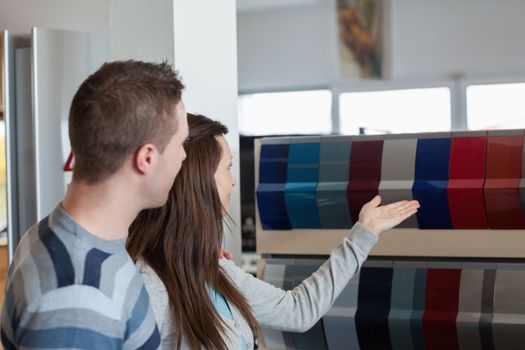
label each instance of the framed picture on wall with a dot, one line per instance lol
(360, 38)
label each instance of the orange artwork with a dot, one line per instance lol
(360, 38)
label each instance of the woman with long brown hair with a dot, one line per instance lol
(203, 302)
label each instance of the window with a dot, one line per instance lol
(395, 111)
(284, 113)
(496, 106)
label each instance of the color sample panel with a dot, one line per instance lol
(333, 181)
(375, 284)
(339, 322)
(487, 309)
(401, 308)
(522, 182)
(273, 165)
(314, 338)
(274, 274)
(418, 309)
(502, 195)
(465, 186)
(430, 187)
(509, 309)
(441, 309)
(365, 174)
(397, 173)
(469, 313)
(288, 283)
(301, 185)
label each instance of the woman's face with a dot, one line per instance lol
(223, 176)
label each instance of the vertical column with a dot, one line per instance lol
(418, 308)
(365, 172)
(301, 184)
(468, 153)
(339, 322)
(401, 305)
(273, 165)
(469, 310)
(508, 326)
(398, 171)
(375, 284)
(314, 338)
(430, 187)
(274, 273)
(522, 181)
(487, 307)
(441, 307)
(502, 195)
(333, 181)
(16, 92)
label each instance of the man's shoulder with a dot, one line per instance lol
(48, 259)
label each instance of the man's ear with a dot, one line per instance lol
(145, 158)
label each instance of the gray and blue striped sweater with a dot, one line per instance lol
(70, 289)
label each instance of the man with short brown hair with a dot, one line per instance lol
(72, 283)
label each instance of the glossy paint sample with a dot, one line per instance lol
(431, 182)
(469, 309)
(463, 180)
(375, 284)
(273, 165)
(301, 184)
(397, 171)
(412, 305)
(339, 322)
(333, 182)
(441, 309)
(467, 177)
(401, 308)
(274, 273)
(365, 174)
(508, 325)
(522, 181)
(314, 338)
(502, 195)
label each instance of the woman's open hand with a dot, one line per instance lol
(379, 218)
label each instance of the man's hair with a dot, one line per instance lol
(120, 107)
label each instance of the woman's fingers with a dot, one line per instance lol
(396, 205)
(408, 213)
(406, 205)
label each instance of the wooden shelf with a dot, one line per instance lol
(400, 242)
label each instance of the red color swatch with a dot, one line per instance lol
(502, 197)
(465, 186)
(441, 309)
(365, 174)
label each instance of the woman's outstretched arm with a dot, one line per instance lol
(299, 309)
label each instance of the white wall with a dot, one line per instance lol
(142, 29)
(22, 15)
(206, 56)
(425, 39)
(200, 38)
(286, 47)
(438, 38)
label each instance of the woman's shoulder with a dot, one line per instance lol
(158, 295)
(151, 279)
(236, 274)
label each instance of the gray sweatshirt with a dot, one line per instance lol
(296, 310)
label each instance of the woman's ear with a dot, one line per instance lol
(146, 158)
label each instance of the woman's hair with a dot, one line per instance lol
(182, 240)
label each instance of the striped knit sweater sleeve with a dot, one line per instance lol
(69, 289)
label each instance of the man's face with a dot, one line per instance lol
(170, 161)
